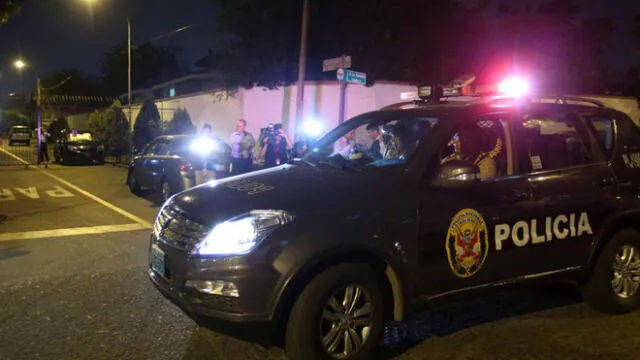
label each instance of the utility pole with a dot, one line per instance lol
(39, 116)
(129, 68)
(302, 63)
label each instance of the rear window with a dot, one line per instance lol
(20, 130)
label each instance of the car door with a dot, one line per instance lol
(573, 188)
(153, 165)
(140, 160)
(456, 247)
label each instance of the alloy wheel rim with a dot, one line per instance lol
(626, 272)
(346, 321)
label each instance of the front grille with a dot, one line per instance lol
(173, 228)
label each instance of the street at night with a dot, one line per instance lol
(83, 295)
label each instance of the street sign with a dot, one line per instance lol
(336, 63)
(353, 77)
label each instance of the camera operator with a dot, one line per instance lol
(275, 147)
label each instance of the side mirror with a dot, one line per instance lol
(457, 173)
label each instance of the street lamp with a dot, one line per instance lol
(20, 65)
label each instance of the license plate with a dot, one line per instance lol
(157, 260)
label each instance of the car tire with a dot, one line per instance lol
(307, 327)
(134, 187)
(166, 191)
(618, 262)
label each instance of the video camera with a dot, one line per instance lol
(270, 132)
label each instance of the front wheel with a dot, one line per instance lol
(615, 279)
(339, 315)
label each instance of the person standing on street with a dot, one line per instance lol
(276, 147)
(242, 144)
(44, 151)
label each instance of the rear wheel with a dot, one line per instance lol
(132, 181)
(339, 315)
(615, 281)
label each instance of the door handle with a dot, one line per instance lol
(515, 196)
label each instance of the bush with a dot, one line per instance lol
(147, 126)
(181, 123)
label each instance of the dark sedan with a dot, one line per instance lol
(78, 147)
(168, 164)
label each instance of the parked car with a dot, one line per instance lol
(397, 208)
(19, 134)
(168, 164)
(78, 147)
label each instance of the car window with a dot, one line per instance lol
(483, 142)
(372, 142)
(180, 146)
(161, 148)
(149, 150)
(604, 129)
(549, 141)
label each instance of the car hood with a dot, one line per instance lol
(299, 189)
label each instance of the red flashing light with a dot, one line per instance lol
(184, 166)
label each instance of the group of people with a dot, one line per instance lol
(275, 147)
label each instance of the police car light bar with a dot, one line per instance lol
(513, 86)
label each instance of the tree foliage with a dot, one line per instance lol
(9, 8)
(147, 125)
(181, 123)
(111, 128)
(412, 40)
(150, 65)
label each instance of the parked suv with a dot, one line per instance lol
(19, 134)
(397, 207)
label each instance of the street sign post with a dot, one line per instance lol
(345, 77)
(336, 63)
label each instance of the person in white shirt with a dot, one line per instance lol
(242, 144)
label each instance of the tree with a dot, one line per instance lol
(9, 8)
(110, 127)
(59, 125)
(150, 65)
(181, 123)
(147, 126)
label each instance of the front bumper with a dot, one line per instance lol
(89, 156)
(257, 285)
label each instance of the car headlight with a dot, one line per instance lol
(243, 233)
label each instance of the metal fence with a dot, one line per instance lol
(19, 153)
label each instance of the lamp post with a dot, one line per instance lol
(21, 65)
(302, 63)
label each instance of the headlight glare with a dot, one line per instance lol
(243, 233)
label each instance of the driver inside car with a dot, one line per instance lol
(468, 145)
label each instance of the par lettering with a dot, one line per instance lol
(560, 227)
(32, 193)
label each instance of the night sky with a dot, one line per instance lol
(57, 34)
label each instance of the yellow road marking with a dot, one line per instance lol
(89, 230)
(86, 193)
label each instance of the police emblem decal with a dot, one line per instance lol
(467, 243)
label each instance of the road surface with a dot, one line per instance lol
(73, 255)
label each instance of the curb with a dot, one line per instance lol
(117, 164)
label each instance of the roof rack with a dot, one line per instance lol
(563, 100)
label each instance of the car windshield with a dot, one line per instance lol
(372, 140)
(181, 146)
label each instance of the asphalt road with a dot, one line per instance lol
(73, 255)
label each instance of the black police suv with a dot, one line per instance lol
(397, 207)
(78, 147)
(168, 163)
